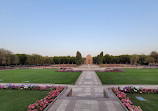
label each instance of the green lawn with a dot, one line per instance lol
(149, 105)
(131, 76)
(38, 76)
(19, 100)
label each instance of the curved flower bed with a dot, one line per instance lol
(121, 94)
(111, 70)
(39, 105)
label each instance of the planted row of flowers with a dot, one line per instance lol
(64, 65)
(27, 87)
(39, 105)
(121, 94)
(126, 101)
(67, 70)
(130, 89)
(111, 70)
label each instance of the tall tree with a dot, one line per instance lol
(78, 58)
(154, 54)
(149, 60)
(22, 58)
(100, 58)
(134, 59)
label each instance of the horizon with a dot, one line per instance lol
(53, 28)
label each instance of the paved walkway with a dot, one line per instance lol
(87, 95)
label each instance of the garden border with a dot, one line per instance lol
(118, 99)
(47, 108)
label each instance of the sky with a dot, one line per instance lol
(63, 27)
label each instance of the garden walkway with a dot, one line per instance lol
(87, 95)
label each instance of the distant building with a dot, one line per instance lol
(89, 60)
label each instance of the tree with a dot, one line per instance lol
(95, 60)
(15, 59)
(124, 59)
(78, 58)
(107, 59)
(134, 59)
(56, 60)
(154, 54)
(22, 58)
(30, 60)
(142, 59)
(47, 60)
(149, 60)
(6, 57)
(100, 58)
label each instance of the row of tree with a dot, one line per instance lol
(127, 59)
(8, 58)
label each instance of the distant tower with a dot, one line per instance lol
(89, 59)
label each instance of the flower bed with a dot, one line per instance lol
(67, 70)
(111, 70)
(121, 94)
(64, 65)
(129, 89)
(39, 105)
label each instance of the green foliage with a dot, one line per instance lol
(22, 58)
(64, 60)
(110, 59)
(98, 59)
(134, 59)
(149, 60)
(142, 59)
(78, 58)
(154, 55)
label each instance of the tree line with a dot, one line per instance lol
(127, 59)
(8, 58)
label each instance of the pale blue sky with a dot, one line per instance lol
(62, 27)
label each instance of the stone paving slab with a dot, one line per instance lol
(85, 105)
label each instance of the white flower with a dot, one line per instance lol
(135, 90)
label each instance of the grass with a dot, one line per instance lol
(19, 100)
(131, 76)
(149, 105)
(38, 76)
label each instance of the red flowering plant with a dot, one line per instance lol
(125, 100)
(121, 94)
(40, 105)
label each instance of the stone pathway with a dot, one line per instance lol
(87, 95)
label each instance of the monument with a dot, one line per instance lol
(89, 59)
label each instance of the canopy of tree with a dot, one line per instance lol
(8, 58)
